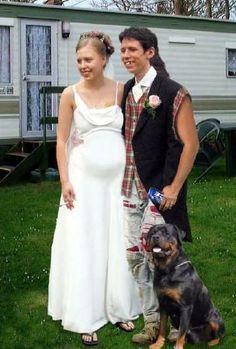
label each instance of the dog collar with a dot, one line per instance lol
(180, 265)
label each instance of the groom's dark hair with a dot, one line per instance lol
(147, 40)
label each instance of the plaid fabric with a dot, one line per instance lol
(152, 217)
(181, 94)
(132, 113)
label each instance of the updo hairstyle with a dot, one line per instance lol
(101, 41)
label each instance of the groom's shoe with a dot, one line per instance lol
(148, 334)
(173, 335)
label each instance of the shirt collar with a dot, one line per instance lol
(148, 78)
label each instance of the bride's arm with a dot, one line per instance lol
(120, 93)
(63, 131)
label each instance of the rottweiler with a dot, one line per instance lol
(181, 293)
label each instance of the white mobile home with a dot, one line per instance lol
(37, 48)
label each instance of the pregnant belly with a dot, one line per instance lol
(101, 153)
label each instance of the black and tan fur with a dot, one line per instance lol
(182, 295)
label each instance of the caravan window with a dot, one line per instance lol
(5, 65)
(231, 62)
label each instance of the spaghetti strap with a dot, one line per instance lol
(117, 85)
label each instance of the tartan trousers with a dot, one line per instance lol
(139, 217)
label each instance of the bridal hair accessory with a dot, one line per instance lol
(105, 39)
(98, 35)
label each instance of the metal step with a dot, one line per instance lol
(32, 141)
(26, 162)
(7, 168)
(21, 154)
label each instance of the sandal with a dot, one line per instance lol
(126, 326)
(89, 338)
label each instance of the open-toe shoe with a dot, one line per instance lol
(126, 326)
(89, 338)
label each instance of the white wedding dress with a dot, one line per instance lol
(90, 283)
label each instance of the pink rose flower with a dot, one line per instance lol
(154, 101)
(151, 105)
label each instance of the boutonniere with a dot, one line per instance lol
(151, 104)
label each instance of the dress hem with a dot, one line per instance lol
(94, 328)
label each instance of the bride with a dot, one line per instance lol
(90, 283)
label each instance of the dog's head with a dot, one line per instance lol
(164, 241)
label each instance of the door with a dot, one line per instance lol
(39, 68)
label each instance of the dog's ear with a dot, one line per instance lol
(149, 235)
(180, 234)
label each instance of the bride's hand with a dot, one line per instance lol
(68, 195)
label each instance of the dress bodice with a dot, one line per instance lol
(86, 119)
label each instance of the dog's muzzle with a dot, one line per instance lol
(159, 252)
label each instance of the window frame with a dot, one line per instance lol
(230, 76)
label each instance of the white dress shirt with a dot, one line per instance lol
(144, 84)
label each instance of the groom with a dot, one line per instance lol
(161, 145)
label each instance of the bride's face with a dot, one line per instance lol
(90, 62)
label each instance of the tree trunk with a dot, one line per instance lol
(227, 12)
(177, 7)
(208, 8)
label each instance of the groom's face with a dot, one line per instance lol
(134, 58)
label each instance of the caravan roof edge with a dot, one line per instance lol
(82, 15)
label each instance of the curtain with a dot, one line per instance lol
(34, 105)
(38, 63)
(5, 76)
(38, 53)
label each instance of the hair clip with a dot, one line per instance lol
(87, 35)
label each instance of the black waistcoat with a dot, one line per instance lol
(157, 148)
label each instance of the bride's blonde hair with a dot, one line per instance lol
(101, 41)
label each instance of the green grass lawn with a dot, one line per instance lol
(27, 220)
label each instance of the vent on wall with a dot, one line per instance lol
(181, 40)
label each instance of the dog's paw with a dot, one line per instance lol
(213, 342)
(159, 343)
